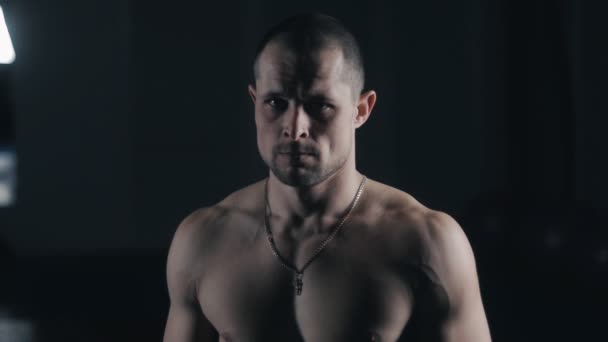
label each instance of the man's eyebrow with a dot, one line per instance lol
(319, 97)
(274, 93)
(313, 97)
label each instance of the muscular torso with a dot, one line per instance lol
(362, 287)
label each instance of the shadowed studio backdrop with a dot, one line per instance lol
(125, 116)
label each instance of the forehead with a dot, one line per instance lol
(282, 69)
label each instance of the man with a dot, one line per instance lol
(318, 252)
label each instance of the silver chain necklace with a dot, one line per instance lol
(299, 273)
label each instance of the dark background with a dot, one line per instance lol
(128, 115)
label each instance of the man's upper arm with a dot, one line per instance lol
(451, 259)
(186, 322)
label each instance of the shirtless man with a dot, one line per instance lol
(317, 252)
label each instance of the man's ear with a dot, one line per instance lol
(366, 103)
(252, 93)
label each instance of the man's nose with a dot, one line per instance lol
(296, 124)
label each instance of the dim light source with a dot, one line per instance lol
(7, 53)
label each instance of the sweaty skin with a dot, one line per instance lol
(397, 270)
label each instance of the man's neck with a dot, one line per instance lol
(317, 206)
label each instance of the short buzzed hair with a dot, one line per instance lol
(307, 33)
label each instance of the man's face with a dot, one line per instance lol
(304, 114)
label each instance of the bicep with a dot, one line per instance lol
(188, 324)
(467, 323)
(186, 321)
(453, 262)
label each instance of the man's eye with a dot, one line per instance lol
(277, 104)
(326, 107)
(319, 108)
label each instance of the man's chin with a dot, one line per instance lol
(296, 176)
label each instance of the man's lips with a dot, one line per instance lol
(296, 156)
(297, 153)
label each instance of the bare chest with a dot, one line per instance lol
(350, 292)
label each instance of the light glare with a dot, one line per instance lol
(8, 178)
(7, 53)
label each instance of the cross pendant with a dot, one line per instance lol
(299, 283)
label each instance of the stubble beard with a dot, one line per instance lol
(306, 175)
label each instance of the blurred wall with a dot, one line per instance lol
(73, 131)
(131, 114)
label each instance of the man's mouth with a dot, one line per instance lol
(296, 153)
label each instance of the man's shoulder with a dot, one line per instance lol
(411, 220)
(439, 243)
(199, 235)
(239, 204)
(447, 284)
(430, 240)
(396, 207)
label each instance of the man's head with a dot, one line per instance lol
(308, 98)
(305, 34)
